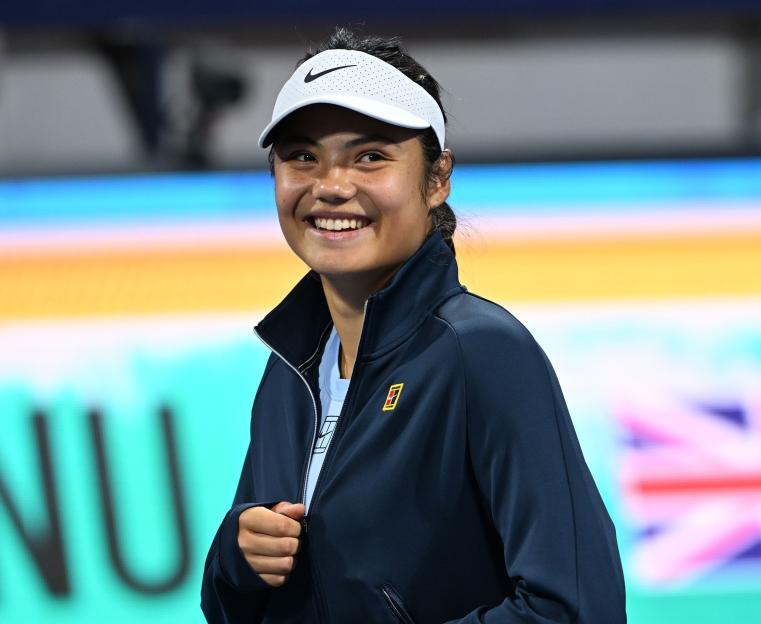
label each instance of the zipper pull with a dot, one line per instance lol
(304, 525)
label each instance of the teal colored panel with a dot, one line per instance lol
(209, 392)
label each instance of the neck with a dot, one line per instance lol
(346, 297)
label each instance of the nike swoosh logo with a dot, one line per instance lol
(310, 76)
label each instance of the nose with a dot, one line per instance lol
(334, 185)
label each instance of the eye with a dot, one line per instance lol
(302, 157)
(372, 157)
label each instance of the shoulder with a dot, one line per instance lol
(270, 374)
(499, 354)
(504, 369)
(478, 322)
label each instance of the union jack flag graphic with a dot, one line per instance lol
(691, 477)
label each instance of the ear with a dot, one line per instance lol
(439, 189)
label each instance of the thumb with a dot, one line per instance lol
(292, 510)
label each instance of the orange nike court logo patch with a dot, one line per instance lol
(393, 396)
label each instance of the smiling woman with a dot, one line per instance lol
(410, 446)
(333, 166)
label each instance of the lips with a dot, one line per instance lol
(338, 223)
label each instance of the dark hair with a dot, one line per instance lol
(393, 52)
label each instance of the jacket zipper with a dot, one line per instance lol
(353, 383)
(308, 459)
(395, 603)
(304, 523)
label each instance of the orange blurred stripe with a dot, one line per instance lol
(197, 280)
(144, 282)
(624, 268)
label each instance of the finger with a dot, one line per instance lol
(263, 520)
(274, 580)
(270, 565)
(294, 510)
(279, 507)
(279, 525)
(262, 544)
(251, 518)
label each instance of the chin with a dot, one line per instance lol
(345, 263)
(336, 267)
(331, 270)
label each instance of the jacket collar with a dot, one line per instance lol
(297, 327)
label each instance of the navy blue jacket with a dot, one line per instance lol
(470, 501)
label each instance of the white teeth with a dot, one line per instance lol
(339, 224)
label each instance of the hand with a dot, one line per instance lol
(269, 539)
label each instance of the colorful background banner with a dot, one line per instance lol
(128, 367)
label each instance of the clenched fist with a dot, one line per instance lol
(269, 539)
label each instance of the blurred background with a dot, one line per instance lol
(608, 187)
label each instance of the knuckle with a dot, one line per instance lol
(243, 542)
(287, 546)
(251, 562)
(284, 525)
(249, 519)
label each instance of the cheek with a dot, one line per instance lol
(289, 188)
(402, 201)
(282, 201)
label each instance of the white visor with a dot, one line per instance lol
(362, 83)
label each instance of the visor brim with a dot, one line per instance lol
(381, 111)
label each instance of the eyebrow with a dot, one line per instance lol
(298, 139)
(367, 138)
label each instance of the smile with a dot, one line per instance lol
(338, 224)
(337, 229)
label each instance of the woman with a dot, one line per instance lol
(411, 456)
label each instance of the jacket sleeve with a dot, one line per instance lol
(232, 592)
(559, 544)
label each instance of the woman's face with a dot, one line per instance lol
(350, 191)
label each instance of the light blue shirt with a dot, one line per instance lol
(332, 394)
